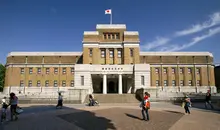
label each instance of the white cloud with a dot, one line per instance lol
(160, 41)
(195, 40)
(213, 20)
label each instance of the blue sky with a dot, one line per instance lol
(58, 25)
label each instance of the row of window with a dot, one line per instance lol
(39, 70)
(181, 70)
(165, 83)
(111, 52)
(55, 83)
(111, 36)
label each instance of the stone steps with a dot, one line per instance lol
(114, 98)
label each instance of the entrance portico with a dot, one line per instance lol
(110, 85)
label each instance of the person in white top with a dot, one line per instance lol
(4, 109)
(60, 101)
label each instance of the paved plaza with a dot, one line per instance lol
(163, 116)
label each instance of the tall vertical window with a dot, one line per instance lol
(47, 83)
(38, 70)
(90, 52)
(190, 82)
(165, 82)
(82, 80)
(55, 83)
(181, 83)
(198, 70)
(38, 83)
(173, 70)
(109, 36)
(105, 36)
(156, 70)
(72, 83)
(181, 70)
(64, 70)
(22, 71)
(164, 70)
(131, 52)
(64, 83)
(22, 83)
(102, 53)
(157, 83)
(30, 83)
(198, 83)
(119, 53)
(173, 82)
(55, 70)
(111, 53)
(30, 70)
(189, 70)
(113, 36)
(142, 80)
(72, 70)
(117, 36)
(47, 70)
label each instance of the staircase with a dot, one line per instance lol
(114, 98)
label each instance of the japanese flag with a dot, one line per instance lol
(108, 11)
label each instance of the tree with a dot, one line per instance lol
(2, 76)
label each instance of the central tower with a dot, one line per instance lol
(111, 44)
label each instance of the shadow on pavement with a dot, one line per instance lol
(48, 117)
(132, 116)
(173, 112)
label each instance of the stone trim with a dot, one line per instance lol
(110, 26)
(44, 54)
(91, 33)
(176, 54)
(131, 33)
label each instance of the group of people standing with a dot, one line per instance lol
(13, 103)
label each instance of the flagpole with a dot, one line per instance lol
(111, 17)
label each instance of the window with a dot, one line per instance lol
(102, 53)
(173, 70)
(22, 83)
(30, 83)
(198, 70)
(119, 53)
(157, 83)
(38, 70)
(55, 83)
(72, 83)
(105, 36)
(173, 82)
(111, 53)
(142, 80)
(109, 36)
(64, 70)
(131, 52)
(47, 83)
(165, 82)
(181, 70)
(64, 83)
(164, 70)
(189, 70)
(55, 70)
(198, 83)
(113, 36)
(190, 82)
(47, 70)
(82, 80)
(117, 36)
(22, 70)
(90, 52)
(157, 70)
(72, 70)
(38, 83)
(30, 70)
(181, 83)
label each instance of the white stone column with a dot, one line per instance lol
(104, 84)
(119, 84)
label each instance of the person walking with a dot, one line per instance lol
(187, 104)
(4, 109)
(60, 100)
(208, 100)
(13, 102)
(145, 105)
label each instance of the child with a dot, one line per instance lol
(4, 109)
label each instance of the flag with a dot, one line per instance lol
(108, 11)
